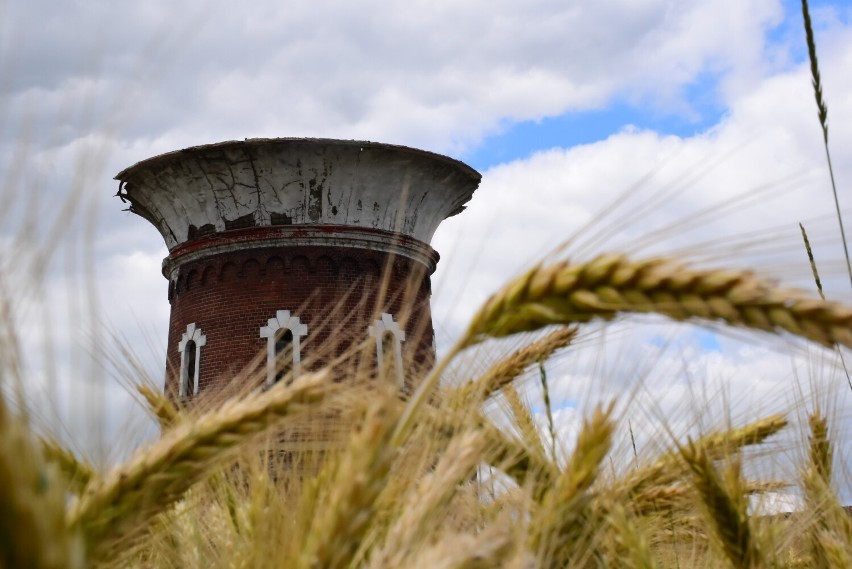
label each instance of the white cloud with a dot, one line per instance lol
(769, 142)
(436, 74)
(442, 75)
(769, 138)
(774, 503)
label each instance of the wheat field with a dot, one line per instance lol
(379, 480)
(337, 469)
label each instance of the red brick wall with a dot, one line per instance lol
(337, 292)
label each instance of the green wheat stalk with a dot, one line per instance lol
(632, 441)
(822, 113)
(546, 390)
(822, 295)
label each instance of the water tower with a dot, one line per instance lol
(286, 253)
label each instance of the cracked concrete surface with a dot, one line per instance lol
(194, 192)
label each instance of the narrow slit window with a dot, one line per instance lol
(283, 353)
(189, 371)
(190, 360)
(388, 363)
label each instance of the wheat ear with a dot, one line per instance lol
(725, 508)
(159, 406)
(507, 369)
(718, 445)
(819, 451)
(504, 450)
(77, 472)
(665, 469)
(428, 502)
(491, 547)
(834, 551)
(33, 533)
(338, 529)
(132, 493)
(662, 498)
(632, 549)
(517, 460)
(522, 420)
(611, 284)
(488, 384)
(831, 525)
(561, 526)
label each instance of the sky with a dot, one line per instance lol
(691, 124)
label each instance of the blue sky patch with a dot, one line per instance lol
(708, 340)
(538, 407)
(702, 107)
(521, 140)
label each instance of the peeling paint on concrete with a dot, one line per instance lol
(269, 182)
(314, 200)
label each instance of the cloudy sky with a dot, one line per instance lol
(691, 122)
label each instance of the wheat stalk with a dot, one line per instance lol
(822, 296)
(834, 551)
(831, 525)
(77, 472)
(822, 114)
(161, 408)
(505, 370)
(155, 478)
(505, 451)
(665, 470)
(32, 504)
(342, 520)
(523, 420)
(494, 379)
(717, 445)
(611, 284)
(820, 452)
(726, 510)
(492, 547)
(427, 503)
(545, 389)
(632, 547)
(661, 498)
(811, 260)
(562, 526)
(822, 108)
(517, 460)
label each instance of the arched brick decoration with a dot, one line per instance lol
(233, 310)
(283, 321)
(378, 330)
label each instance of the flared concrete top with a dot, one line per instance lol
(203, 190)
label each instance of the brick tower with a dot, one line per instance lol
(284, 254)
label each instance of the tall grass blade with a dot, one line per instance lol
(822, 113)
(822, 296)
(545, 389)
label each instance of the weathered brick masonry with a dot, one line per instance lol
(336, 293)
(324, 240)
